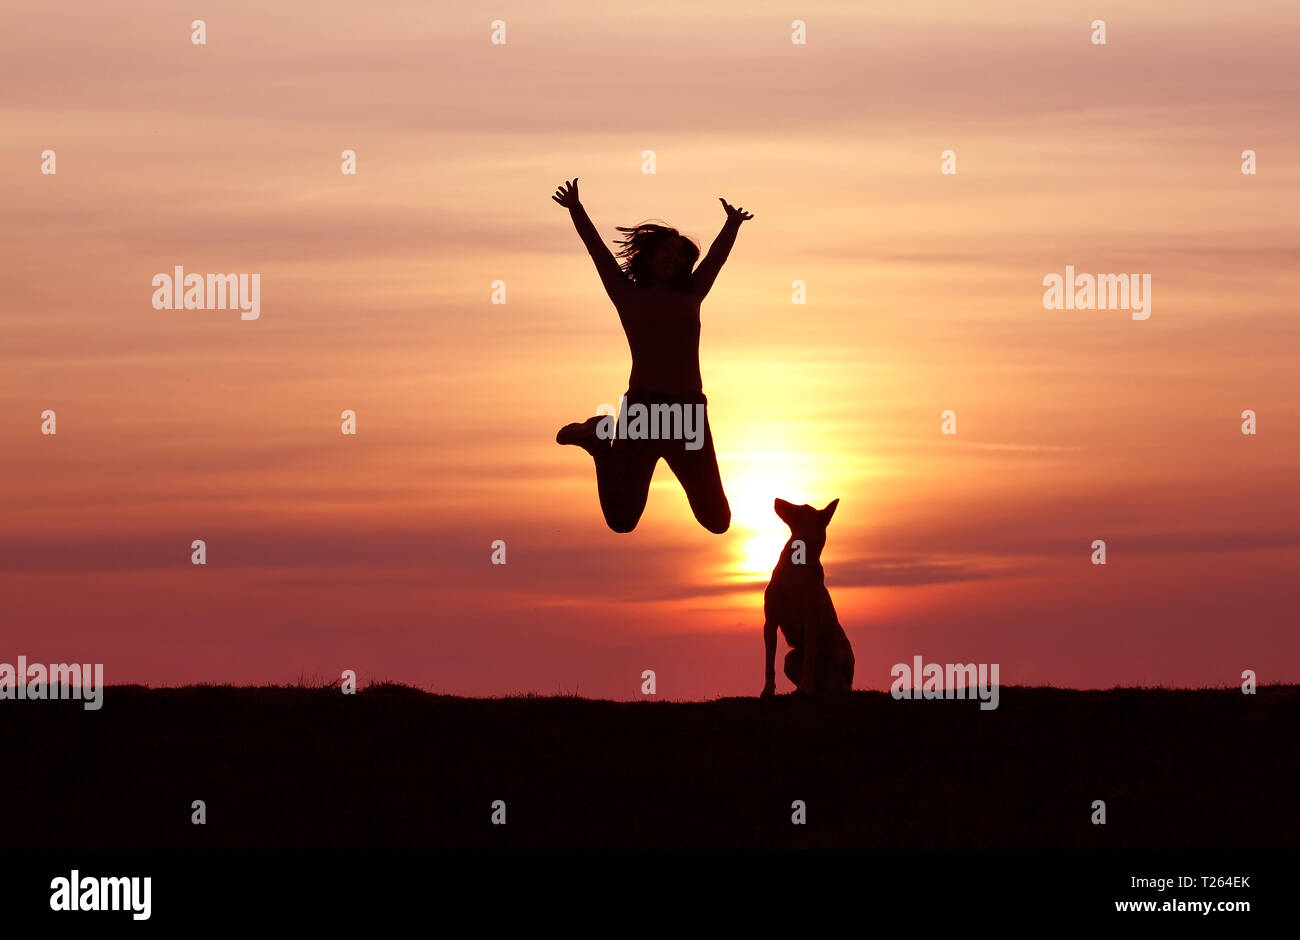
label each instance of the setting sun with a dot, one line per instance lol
(755, 478)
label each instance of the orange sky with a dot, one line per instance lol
(924, 294)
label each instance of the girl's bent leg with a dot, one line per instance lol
(623, 473)
(698, 472)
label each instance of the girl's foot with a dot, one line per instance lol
(583, 434)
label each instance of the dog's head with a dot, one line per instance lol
(807, 523)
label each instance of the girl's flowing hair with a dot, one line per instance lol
(638, 246)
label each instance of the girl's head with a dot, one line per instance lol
(656, 255)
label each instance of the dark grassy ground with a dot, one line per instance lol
(394, 767)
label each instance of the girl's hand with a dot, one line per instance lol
(567, 195)
(734, 214)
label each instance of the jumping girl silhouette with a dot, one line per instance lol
(658, 301)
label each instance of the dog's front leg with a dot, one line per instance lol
(769, 651)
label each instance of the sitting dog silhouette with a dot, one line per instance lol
(796, 600)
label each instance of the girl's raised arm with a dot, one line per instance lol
(611, 275)
(707, 271)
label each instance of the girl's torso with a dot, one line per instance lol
(663, 332)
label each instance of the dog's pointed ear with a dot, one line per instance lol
(783, 510)
(829, 511)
